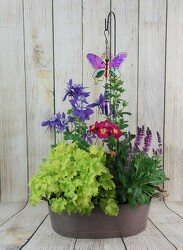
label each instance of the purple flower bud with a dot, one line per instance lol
(147, 141)
(106, 107)
(159, 150)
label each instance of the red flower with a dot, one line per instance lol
(102, 133)
(116, 132)
(107, 123)
(94, 128)
(105, 129)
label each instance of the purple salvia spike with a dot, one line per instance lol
(139, 137)
(159, 140)
(147, 141)
(159, 150)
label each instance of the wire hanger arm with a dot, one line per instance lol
(108, 29)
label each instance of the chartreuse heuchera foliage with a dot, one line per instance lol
(78, 176)
(74, 180)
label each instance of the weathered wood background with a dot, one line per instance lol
(44, 43)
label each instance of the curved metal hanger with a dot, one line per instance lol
(108, 29)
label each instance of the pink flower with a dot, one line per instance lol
(94, 128)
(102, 133)
(116, 132)
(105, 129)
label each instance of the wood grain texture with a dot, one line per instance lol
(176, 206)
(151, 238)
(39, 78)
(67, 48)
(170, 224)
(15, 232)
(174, 101)
(13, 152)
(46, 238)
(127, 40)
(100, 244)
(9, 209)
(161, 234)
(152, 24)
(94, 14)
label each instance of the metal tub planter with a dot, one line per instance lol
(129, 221)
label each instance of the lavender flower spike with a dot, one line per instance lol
(159, 150)
(139, 137)
(147, 141)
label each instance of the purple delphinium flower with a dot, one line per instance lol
(81, 109)
(52, 121)
(58, 122)
(139, 137)
(88, 137)
(75, 91)
(98, 103)
(147, 142)
(102, 103)
(64, 122)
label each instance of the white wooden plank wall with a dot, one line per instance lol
(67, 17)
(44, 43)
(174, 100)
(13, 141)
(39, 78)
(94, 14)
(127, 40)
(152, 24)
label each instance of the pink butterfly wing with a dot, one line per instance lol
(117, 60)
(96, 62)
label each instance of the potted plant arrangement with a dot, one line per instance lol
(100, 179)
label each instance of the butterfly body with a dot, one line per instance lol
(107, 68)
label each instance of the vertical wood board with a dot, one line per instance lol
(126, 12)
(39, 78)
(67, 48)
(174, 101)
(94, 14)
(152, 24)
(13, 147)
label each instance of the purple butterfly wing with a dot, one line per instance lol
(96, 62)
(117, 60)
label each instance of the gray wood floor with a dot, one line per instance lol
(25, 227)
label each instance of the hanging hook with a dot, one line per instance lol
(106, 40)
(107, 23)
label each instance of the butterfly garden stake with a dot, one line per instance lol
(108, 67)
